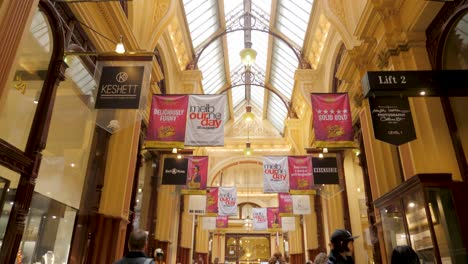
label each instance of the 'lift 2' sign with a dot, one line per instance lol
(120, 87)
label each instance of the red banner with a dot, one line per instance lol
(212, 201)
(332, 120)
(274, 219)
(222, 221)
(285, 204)
(300, 175)
(197, 174)
(167, 120)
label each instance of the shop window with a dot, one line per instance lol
(19, 101)
(8, 184)
(455, 57)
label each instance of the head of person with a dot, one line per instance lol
(196, 169)
(321, 258)
(404, 255)
(137, 240)
(342, 241)
(159, 254)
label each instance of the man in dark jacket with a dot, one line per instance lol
(342, 247)
(136, 246)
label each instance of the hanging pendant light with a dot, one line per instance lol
(248, 150)
(248, 56)
(248, 115)
(120, 48)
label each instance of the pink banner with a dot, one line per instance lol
(274, 219)
(212, 201)
(197, 173)
(167, 120)
(222, 221)
(332, 120)
(300, 174)
(285, 204)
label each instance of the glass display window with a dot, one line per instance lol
(426, 213)
(8, 184)
(20, 98)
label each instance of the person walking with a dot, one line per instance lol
(342, 247)
(404, 255)
(321, 258)
(136, 246)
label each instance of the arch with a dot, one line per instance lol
(286, 103)
(217, 170)
(303, 64)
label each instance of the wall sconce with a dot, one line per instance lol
(174, 151)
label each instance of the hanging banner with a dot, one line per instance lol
(208, 223)
(197, 204)
(197, 175)
(275, 174)
(332, 120)
(120, 87)
(274, 220)
(300, 175)
(259, 216)
(174, 171)
(325, 170)
(227, 201)
(392, 120)
(285, 205)
(222, 221)
(205, 120)
(301, 204)
(212, 201)
(168, 116)
(288, 223)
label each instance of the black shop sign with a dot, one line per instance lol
(392, 120)
(325, 170)
(174, 171)
(119, 87)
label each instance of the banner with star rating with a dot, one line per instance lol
(332, 120)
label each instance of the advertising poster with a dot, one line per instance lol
(222, 221)
(332, 120)
(392, 120)
(285, 205)
(288, 223)
(301, 204)
(227, 201)
(259, 216)
(174, 171)
(325, 170)
(197, 173)
(205, 120)
(275, 174)
(300, 175)
(197, 204)
(168, 116)
(208, 223)
(274, 219)
(212, 201)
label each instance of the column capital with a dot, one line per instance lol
(191, 81)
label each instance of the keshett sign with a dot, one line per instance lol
(119, 87)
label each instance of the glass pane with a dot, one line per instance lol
(393, 227)
(65, 159)
(8, 184)
(18, 102)
(48, 231)
(420, 235)
(446, 226)
(254, 248)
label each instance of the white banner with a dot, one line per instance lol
(197, 204)
(301, 204)
(275, 175)
(288, 223)
(205, 120)
(227, 201)
(259, 216)
(208, 223)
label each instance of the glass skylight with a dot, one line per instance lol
(293, 18)
(211, 64)
(202, 19)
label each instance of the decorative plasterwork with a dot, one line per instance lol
(318, 42)
(178, 43)
(337, 8)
